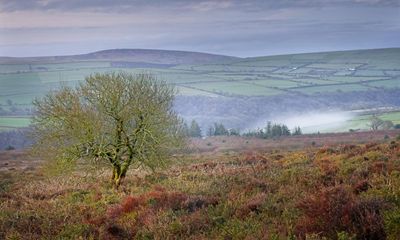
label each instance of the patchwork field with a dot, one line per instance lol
(363, 121)
(360, 70)
(7, 123)
(314, 74)
(347, 121)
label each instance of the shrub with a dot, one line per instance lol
(336, 209)
(196, 222)
(74, 231)
(9, 148)
(325, 212)
(161, 199)
(157, 199)
(366, 219)
(252, 205)
(361, 186)
(194, 203)
(392, 223)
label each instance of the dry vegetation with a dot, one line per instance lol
(335, 191)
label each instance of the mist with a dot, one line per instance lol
(311, 122)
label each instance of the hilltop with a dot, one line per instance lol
(169, 57)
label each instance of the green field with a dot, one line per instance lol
(303, 74)
(7, 123)
(380, 68)
(361, 122)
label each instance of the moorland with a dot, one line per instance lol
(326, 186)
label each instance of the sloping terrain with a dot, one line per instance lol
(302, 74)
(169, 57)
(343, 191)
(220, 88)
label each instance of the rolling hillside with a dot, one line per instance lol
(154, 56)
(222, 88)
(313, 73)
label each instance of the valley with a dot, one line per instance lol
(241, 93)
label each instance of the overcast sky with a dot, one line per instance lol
(239, 28)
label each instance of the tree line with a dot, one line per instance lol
(272, 130)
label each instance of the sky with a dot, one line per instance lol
(230, 27)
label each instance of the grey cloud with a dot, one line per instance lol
(244, 28)
(132, 5)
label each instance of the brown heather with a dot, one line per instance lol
(336, 191)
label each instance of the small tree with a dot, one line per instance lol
(268, 130)
(285, 130)
(115, 118)
(276, 130)
(220, 130)
(185, 130)
(210, 131)
(297, 131)
(194, 130)
(375, 123)
(386, 125)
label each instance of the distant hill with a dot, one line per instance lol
(383, 58)
(140, 56)
(214, 88)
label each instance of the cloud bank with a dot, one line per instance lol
(240, 28)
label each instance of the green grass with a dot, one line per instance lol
(394, 83)
(393, 116)
(334, 65)
(14, 122)
(236, 88)
(354, 79)
(362, 121)
(23, 82)
(369, 72)
(278, 83)
(193, 92)
(332, 88)
(13, 68)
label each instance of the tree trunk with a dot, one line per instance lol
(117, 176)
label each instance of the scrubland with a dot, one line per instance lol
(314, 189)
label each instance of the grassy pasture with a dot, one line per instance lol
(390, 116)
(314, 81)
(236, 88)
(14, 122)
(20, 83)
(369, 72)
(354, 79)
(278, 83)
(339, 66)
(13, 68)
(393, 83)
(332, 88)
(363, 121)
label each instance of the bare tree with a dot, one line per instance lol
(375, 123)
(116, 118)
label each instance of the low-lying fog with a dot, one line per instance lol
(313, 122)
